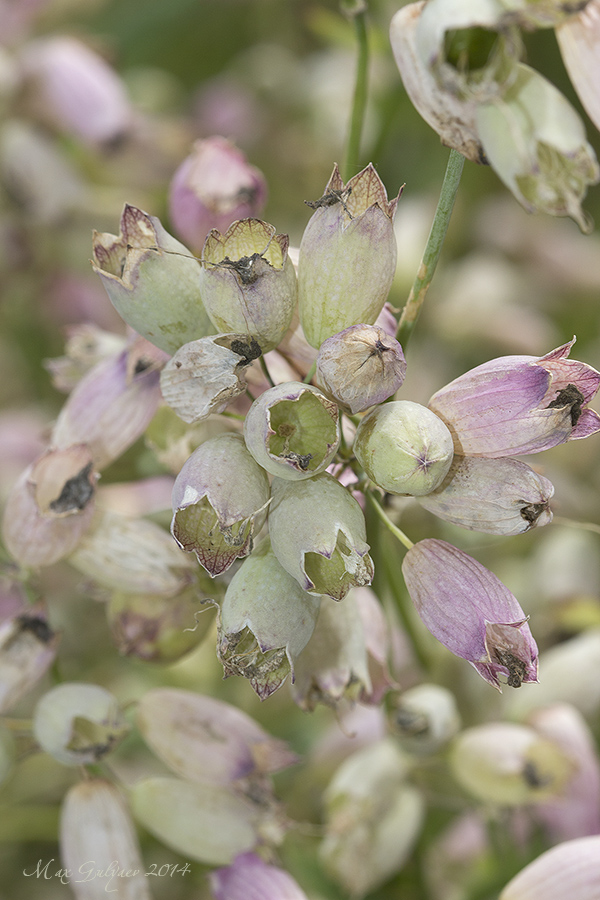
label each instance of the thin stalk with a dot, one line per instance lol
(435, 241)
(388, 522)
(572, 523)
(359, 103)
(405, 611)
(310, 374)
(265, 369)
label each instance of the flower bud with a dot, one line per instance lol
(451, 117)
(347, 256)
(78, 724)
(213, 187)
(496, 496)
(424, 718)
(219, 502)
(95, 824)
(139, 270)
(133, 555)
(27, 649)
(158, 628)
(249, 282)
(113, 404)
(360, 367)
(207, 740)
(208, 823)
(569, 870)
(72, 88)
(536, 143)
(50, 506)
(85, 347)
(318, 535)
(519, 404)
(206, 375)
(470, 612)
(578, 39)
(292, 431)
(373, 818)
(509, 765)
(404, 448)
(265, 622)
(249, 876)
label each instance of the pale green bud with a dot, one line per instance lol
(424, 718)
(318, 535)
(249, 282)
(404, 448)
(152, 280)
(292, 430)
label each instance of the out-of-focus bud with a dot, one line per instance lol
(347, 256)
(519, 404)
(172, 441)
(373, 818)
(318, 535)
(36, 175)
(508, 764)
(86, 346)
(292, 431)
(424, 718)
(496, 496)
(99, 845)
(50, 507)
(133, 555)
(27, 649)
(207, 740)
(214, 186)
(470, 612)
(113, 404)
(206, 375)
(360, 367)
(250, 876)
(78, 723)
(404, 448)
(248, 281)
(152, 280)
(569, 870)
(579, 38)
(576, 811)
(265, 622)
(71, 88)
(452, 118)
(545, 160)
(206, 822)
(157, 628)
(219, 502)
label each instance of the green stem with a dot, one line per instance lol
(310, 374)
(359, 103)
(435, 241)
(388, 522)
(263, 366)
(405, 611)
(572, 523)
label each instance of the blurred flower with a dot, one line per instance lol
(495, 496)
(318, 535)
(249, 876)
(361, 366)
(139, 268)
(28, 647)
(99, 845)
(579, 39)
(569, 870)
(248, 281)
(519, 404)
(292, 431)
(214, 186)
(85, 347)
(424, 718)
(78, 723)
(220, 499)
(73, 89)
(470, 612)
(265, 622)
(347, 256)
(404, 448)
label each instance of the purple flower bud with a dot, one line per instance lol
(519, 404)
(249, 877)
(347, 256)
(360, 367)
(219, 502)
(214, 186)
(471, 612)
(248, 281)
(568, 870)
(496, 496)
